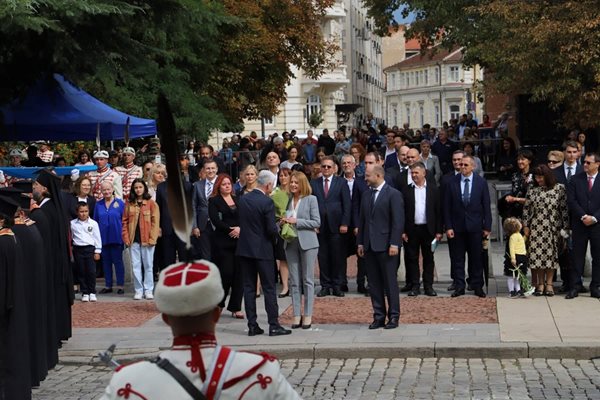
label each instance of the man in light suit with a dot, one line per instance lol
(423, 224)
(468, 219)
(583, 196)
(380, 228)
(258, 233)
(201, 226)
(333, 196)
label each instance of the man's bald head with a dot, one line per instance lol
(412, 156)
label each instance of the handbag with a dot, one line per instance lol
(288, 232)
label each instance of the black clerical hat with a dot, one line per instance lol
(45, 178)
(25, 186)
(7, 206)
(17, 196)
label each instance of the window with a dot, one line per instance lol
(393, 81)
(421, 114)
(408, 114)
(454, 111)
(268, 120)
(407, 84)
(395, 116)
(454, 74)
(313, 105)
(412, 78)
(436, 111)
(426, 77)
(417, 78)
(437, 75)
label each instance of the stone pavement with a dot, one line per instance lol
(390, 378)
(532, 327)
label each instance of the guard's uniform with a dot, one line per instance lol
(107, 175)
(128, 175)
(219, 372)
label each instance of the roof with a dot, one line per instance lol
(412, 44)
(441, 55)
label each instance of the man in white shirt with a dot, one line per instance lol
(87, 246)
(201, 227)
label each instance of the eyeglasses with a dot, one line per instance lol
(553, 161)
(590, 162)
(465, 165)
(327, 166)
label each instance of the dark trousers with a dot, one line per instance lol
(172, 249)
(361, 275)
(566, 265)
(231, 277)
(419, 239)
(202, 244)
(113, 254)
(252, 268)
(84, 259)
(382, 273)
(332, 263)
(581, 236)
(471, 244)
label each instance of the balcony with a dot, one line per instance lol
(330, 80)
(336, 11)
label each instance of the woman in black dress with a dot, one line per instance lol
(223, 213)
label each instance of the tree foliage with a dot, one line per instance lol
(217, 61)
(548, 48)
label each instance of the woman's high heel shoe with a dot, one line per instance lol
(307, 326)
(298, 325)
(282, 294)
(237, 315)
(539, 291)
(549, 290)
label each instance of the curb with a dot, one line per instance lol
(510, 350)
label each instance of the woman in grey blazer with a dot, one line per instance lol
(301, 252)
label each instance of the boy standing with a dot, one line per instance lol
(87, 246)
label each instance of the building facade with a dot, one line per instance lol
(426, 89)
(355, 83)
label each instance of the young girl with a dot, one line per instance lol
(140, 232)
(515, 257)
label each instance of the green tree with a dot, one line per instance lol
(549, 49)
(217, 61)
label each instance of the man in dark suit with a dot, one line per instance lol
(457, 157)
(404, 179)
(423, 224)
(391, 175)
(443, 148)
(397, 160)
(171, 246)
(380, 228)
(201, 226)
(335, 206)
(357, 186)
(583, 194)
(563, 173)
(468, 219)
(258, 233)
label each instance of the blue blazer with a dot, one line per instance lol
(391, 161)
(200, 206)
(581, 201)
(258, 230)
(359, 187)
(336, 208)
(381, 226)
(477, 215)
(560, 175)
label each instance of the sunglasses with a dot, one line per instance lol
(327, 166)
(553, 161)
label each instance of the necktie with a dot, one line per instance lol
(373, 197)
(326, 188)
(209, 188)
(590, 183)
(466, 193)
(569, 173)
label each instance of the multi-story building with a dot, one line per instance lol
(344, 95)
(432, 89)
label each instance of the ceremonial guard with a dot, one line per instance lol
(15, 157)
(104, 174)
(196, 367)
(129, 171)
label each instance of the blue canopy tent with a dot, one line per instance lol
(57, 110)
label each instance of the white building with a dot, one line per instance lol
(426, 89)
(357, 79)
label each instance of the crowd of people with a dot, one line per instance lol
(264, 209)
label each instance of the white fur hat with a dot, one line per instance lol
(101, 154)
(129, 150)
(189, 289)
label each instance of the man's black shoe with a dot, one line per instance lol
(563, 289)
(279, 331)
(583, 289)
(361, 289)
(392, 324)
(458, 292)
(451, 288)
(479, 293)
(414, 292)
(255, 330)
(430, 292)
(572, 294)
(338, 293)
(106, 290)
(376, 324)
(344, 288)
(323, 292)
(406, 288)
(595, 293)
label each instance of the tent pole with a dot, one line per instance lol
(112, 144)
